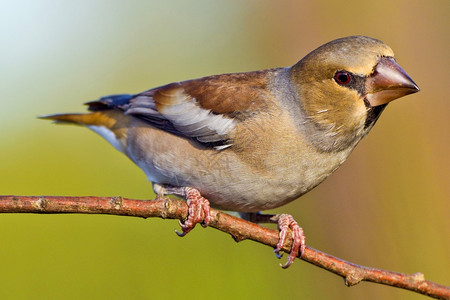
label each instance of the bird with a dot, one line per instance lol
(252, 141)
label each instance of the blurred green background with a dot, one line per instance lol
(386, 207)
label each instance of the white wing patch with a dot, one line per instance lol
(191, 119)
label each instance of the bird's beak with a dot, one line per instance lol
(388, 82)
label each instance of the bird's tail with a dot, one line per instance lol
(104, 113)
(111, 124)
(106, 119)
(79, 119)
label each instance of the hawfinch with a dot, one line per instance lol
(253, 141)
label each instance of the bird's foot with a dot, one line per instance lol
(286, 222)
(198, 211)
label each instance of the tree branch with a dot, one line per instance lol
(239, 229)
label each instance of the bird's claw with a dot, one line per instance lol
(198, 211)
(286, 222)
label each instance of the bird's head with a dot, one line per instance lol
(344, 86)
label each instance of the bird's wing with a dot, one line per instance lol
(205, 109)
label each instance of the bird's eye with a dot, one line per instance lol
(342, 77)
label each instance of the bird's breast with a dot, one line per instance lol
(261, 171)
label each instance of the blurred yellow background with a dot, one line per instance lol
(386, 207)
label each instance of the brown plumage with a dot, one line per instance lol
(254, 141)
